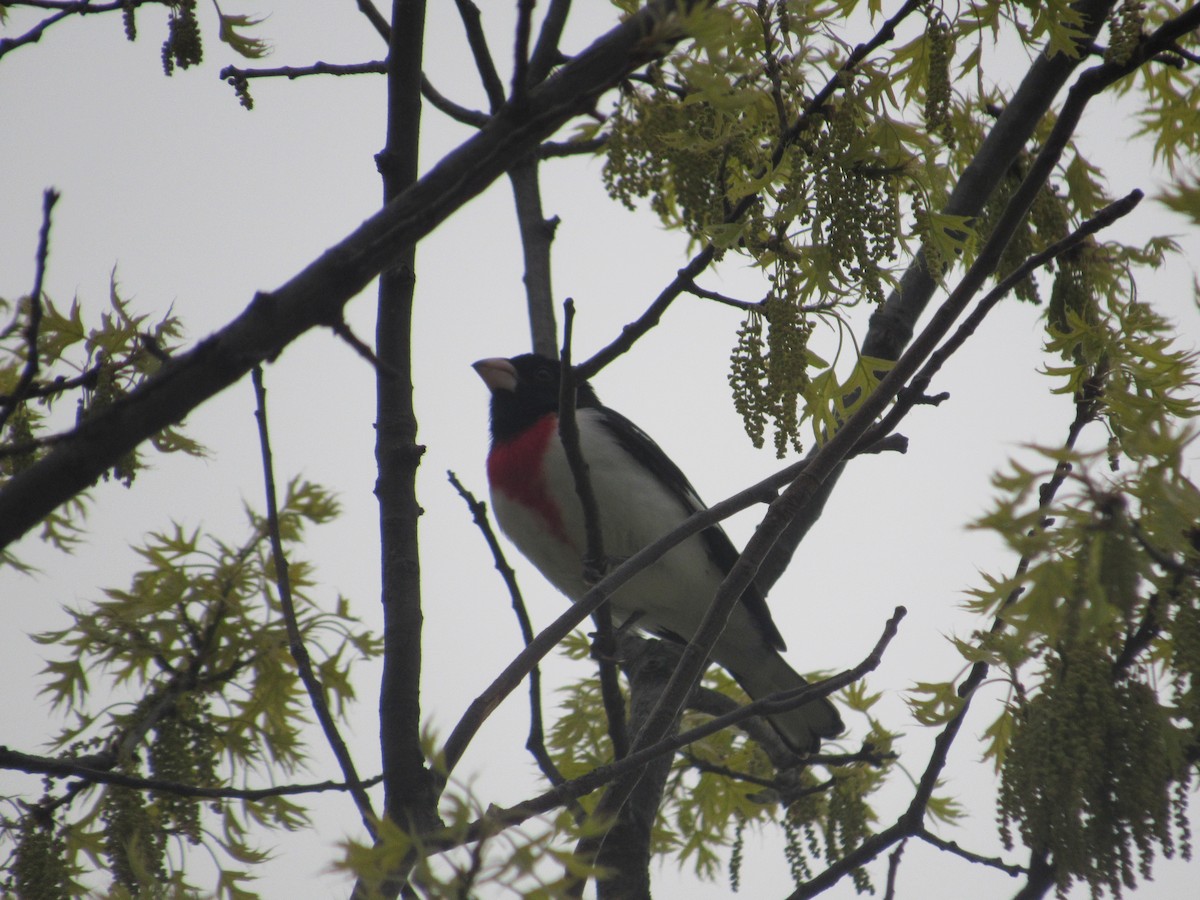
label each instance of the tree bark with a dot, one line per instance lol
(624, 856)
(409, 789)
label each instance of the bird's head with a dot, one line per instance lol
(524, 389)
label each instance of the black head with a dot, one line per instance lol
(524, 389)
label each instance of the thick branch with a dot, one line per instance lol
(893, 323)
(316, 296)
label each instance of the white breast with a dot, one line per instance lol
(635, 509)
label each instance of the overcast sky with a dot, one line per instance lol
(198, 204)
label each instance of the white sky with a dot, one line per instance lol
(199, 204)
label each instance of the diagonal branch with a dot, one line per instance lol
(316, 296)
(477, 40)
(546, 53)
(316, 693)
(911, 395)
(685, 278)
(536, 742)
(602, 775)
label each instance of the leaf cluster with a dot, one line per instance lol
(199, 645)
(96, 365)
(725, 783)
(1097, 629)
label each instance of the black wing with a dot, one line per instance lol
(642, 448)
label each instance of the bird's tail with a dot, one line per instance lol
(801, 728)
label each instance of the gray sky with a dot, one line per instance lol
(198, 204)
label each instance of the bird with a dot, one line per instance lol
(640, 496)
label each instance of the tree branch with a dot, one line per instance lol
(916, 390)
(66, 768)
(990, 861)
(64, 10)
(34, 324)
(316, 693)
(477, 40)
(595, 563)
(892, 324)
(317, 295)
(536, 742)
(602, 775)
(374, 67)
(375, 17)
(686, 276)
(537, 234)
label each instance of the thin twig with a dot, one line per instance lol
(468, 12)
(374, 67)
(520, 81)
(65, 768)
(296, 644)
(536, 742)
(381, 25)
(34, 323)
(686, 276)
(34, 34)
(913, 394)
(554, 149)
(893, 870)
(991, 861)
(594, 560)
(342, 330)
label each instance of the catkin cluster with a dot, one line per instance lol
(1125, 30)
(940, 41)
(183, 46)
(1090, 775)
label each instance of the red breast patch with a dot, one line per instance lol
(515, 469)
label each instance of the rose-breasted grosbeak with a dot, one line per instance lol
(641, 495)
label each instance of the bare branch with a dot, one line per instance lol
(342, 330)
(64, 10)
(520, 81)
(546, 54)
(375, 67)
(376, 18)
(990, 861)
(316, 693)
(554, 149)
(67, 768)
(595, 562)
(34, 323)
(484, 64)
(316, 296)
(537, 235)
(536, 742)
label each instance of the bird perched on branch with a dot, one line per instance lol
(640, 496)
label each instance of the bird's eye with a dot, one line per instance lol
(544, 376)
